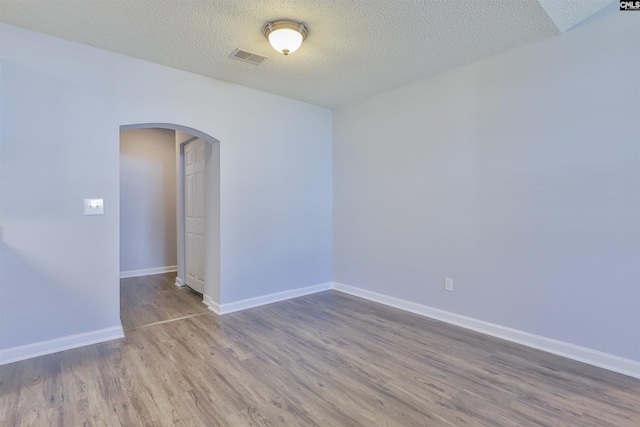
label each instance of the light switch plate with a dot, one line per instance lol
(93, 206)
(448, 284)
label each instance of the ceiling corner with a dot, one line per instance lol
(565, 14)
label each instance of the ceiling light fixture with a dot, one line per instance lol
(285, 35)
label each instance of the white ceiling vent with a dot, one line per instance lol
(246, 56)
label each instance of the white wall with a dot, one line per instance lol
(62, 108)
(517, 176)
(147, 199)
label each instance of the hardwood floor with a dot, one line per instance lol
(152, 299)
(327, 359)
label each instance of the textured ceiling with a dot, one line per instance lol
(355, 48)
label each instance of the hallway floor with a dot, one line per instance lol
(153, 299)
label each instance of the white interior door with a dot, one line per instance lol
(194, 214)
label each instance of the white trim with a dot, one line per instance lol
(16, 354)
(211, 304)
(582, 354)
(148, 271)
(179, 282)
(271, 298)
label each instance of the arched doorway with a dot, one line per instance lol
(211, 238)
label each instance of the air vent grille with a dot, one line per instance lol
(246, 56)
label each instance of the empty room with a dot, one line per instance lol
(320, 213)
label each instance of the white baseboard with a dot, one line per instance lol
(582, 354)
(148, 271)
(211, 304)
(271, 298)
(179, 282)
(16, 354)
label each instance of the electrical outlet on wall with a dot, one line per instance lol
(93, 206)
(448, 284)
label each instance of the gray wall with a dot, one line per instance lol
(147, 199)
(62, 108)
(517, 176)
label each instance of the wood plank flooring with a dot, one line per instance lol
(327, 359)
(151, 299)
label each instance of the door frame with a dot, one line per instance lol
(211, 295)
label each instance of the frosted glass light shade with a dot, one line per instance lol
(285, 36)
(285, 41)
